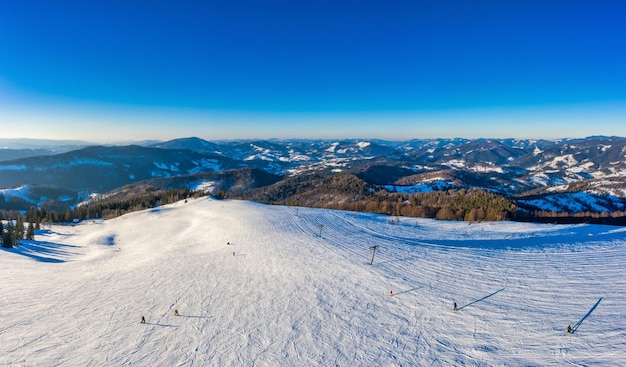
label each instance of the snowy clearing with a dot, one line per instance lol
(257, 285)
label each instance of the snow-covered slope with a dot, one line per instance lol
(257, 285)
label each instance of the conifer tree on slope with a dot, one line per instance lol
(30, 231)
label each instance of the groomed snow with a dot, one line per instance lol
(257, 285)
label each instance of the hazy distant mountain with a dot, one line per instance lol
(99, 169)
(23, 148)
(195, 144)
(9, 154)
(47, 144)
(543, 169)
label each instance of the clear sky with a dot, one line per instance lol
(132, 70)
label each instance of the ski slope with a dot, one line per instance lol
(257, 285)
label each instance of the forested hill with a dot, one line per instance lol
(567, 177)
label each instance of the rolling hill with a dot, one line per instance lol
(260, 285)
(537, 174)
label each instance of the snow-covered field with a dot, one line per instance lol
(257, 285)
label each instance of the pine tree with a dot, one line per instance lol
(7, 236)
(2, 234)
(30, 232)
(19, 231)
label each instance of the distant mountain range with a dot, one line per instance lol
(574, 175)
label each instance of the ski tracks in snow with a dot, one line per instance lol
(299, 290)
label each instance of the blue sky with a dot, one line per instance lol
(133, 70)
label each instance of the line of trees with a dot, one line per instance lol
(611, 218)
(348, 192)
(471, 205)
(343, 192)
(12, 232)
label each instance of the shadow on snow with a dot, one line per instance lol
(577, 325)
(407, 291)
(43, 251)
(479, 300)
(558, 235)
(194, 316)
(161, 325)
(568, 235)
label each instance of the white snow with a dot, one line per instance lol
(429, 186)
(206, 186)
(298, 157)
(21, 192)
(557, 188)
(487, 167)
(584, 167)
(282, 295)
(260, 149)
(458, 163)
(80, 162)
(211, 164)
(567, 160)
(332, 147)
(13, 167)
(578, 202)
(260, 157)
(165, 166)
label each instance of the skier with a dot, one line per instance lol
(455, 308)
(143, 320)
(569, 329)
(175, 312)
(391, 292)
(233, 254)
